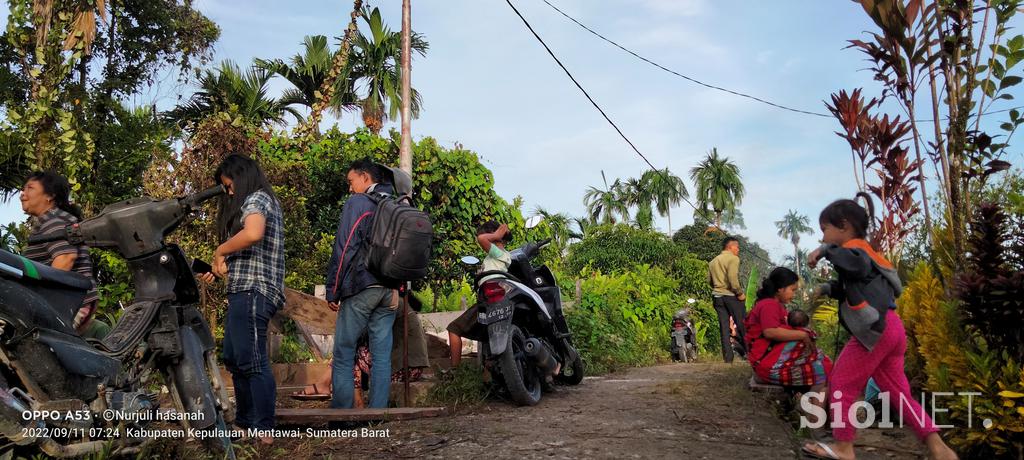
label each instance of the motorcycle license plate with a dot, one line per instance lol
(496, 313)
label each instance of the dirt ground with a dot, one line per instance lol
(698, 411)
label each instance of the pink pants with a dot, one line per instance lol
(885, 364)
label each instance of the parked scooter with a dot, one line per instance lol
(684, 338)
(69, 397)
(524, 338)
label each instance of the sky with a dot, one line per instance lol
(490, 86)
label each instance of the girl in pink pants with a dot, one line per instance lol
(867, 289)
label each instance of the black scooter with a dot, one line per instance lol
(524, 338)
(69, 397)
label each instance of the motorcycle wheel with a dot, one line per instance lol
(521, 377)
(220, 446)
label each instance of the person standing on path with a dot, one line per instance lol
(728, 293)
(363, 302)
(251, 257)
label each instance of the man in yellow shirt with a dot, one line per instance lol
(723, 275)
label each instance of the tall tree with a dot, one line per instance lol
(228, 88)
(307, 73)
(65, 67)
(667, 190)
(792, 225)
(560, 225)
(719, 185)
(605, 204)
(375, 66)
(635, 192)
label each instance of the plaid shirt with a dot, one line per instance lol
(260, 267)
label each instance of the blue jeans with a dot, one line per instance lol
(368, 309)
(245, 356)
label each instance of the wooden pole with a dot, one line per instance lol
(405, 163)
(405, 154)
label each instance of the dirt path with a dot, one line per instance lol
(698, 411)
(674, 411)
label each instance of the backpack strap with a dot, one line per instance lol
(377, 197)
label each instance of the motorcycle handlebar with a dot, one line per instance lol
(199, 197)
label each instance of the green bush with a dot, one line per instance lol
(617, 248)
(623, 320)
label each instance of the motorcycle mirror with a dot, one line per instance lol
(534, 221)
(470, 260)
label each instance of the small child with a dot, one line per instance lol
(798, 319)
(492, 238)
(867, 289)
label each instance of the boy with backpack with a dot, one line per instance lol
(380, 243)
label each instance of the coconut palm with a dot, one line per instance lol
(583, 226)
(307, 73)
(228, 88)
(375, 66)
(790, 227)
(799, 263)
(719, 185)
(635, 192)
(605, 204)
(666, 190)
(560, 225)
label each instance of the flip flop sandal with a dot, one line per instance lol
(829, 453)
(301, 395)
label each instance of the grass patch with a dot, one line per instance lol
(462, 386)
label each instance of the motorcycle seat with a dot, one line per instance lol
(44, 273)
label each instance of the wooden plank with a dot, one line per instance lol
(311, 312)
(313, 416)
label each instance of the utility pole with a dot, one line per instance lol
(405, 154)
(405, 163)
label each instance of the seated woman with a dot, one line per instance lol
(46, 199)
(779, 353)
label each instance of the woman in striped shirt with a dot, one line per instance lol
(46, 199)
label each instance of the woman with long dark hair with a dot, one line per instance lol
(251, 257)
(46, 198)
(780, 353)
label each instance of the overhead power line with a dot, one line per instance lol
(673, 72)
(714, 87)
(621, 134)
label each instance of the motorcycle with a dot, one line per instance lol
(684, 339)
(524, 338)
(67, 396)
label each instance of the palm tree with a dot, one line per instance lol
(307, 73)
(228, 88)
(559, 223)
(719, 186)
(799, 262)
(375, 65)
(583, 225)
(605, 204)
(790, 227)
(667, 190)
(635, 192)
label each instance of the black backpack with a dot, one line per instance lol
(400, 240)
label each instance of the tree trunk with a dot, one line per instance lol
(668, 213)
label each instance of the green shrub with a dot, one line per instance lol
(623, 320)
(617, 248)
